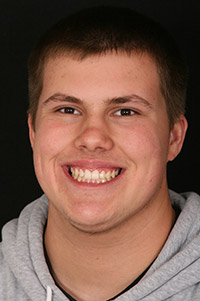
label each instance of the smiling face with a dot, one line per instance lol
(101, 139)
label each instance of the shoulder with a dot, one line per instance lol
(181, 199)
(7, 279)
(21, 245)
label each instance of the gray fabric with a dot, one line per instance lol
(174, 276)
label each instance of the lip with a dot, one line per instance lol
(92, 165)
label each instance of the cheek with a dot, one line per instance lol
(146, 150)
(52, 138)
(144, 143)
(52, 142)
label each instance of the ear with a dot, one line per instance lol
(31, 130)
(176, 138)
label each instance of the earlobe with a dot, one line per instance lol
(31, 130)
(176, 138)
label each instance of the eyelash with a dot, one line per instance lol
(72, 111)
(126, 110)
(68, 110)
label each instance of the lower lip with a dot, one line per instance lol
(86, 184)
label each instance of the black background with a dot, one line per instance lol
(22, 22)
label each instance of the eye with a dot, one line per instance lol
(125, 112)
(69, 110)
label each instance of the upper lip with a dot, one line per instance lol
(92, 164)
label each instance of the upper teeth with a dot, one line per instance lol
(93, 176)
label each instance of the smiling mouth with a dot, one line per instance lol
(94, 176)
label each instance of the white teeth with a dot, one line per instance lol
(81, 174)
(113, 174)
(95, 176)
(88, 175)
(108, 175)
(79, 179)
(76, 173)
(102, 175)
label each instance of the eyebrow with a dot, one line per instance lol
(130, 98)
(57, 97)
(60, 97)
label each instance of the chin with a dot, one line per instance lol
(90, 222)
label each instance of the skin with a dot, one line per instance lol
(104, 235)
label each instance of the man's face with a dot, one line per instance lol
(101, 140)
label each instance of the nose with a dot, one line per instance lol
(94, 138)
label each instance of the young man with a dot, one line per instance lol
(107, 98)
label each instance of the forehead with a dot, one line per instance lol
(106, 75)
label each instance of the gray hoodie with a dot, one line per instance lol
(174, 275)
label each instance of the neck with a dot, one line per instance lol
(103, 264)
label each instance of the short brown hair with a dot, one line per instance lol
(101, 30)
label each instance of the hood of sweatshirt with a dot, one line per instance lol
(24, 260)
(175, 274)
